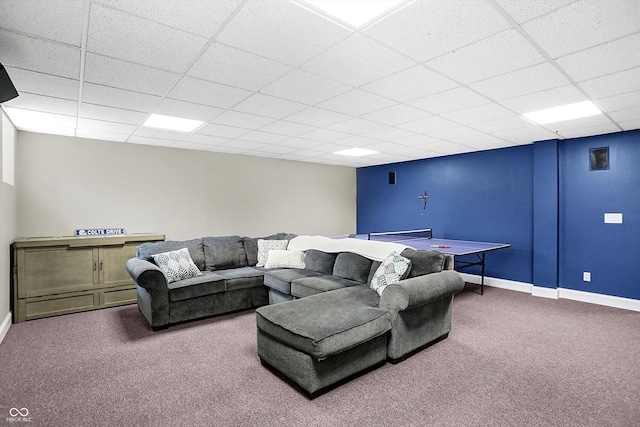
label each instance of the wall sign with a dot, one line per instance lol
(84, 232)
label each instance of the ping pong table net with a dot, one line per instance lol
(394, 236)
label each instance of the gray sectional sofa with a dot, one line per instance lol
(229, 281)
(319, 323)
(334, 325)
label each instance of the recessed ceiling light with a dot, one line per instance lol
(563, 113)
(356, 13)
(172, 123)
(356, 152)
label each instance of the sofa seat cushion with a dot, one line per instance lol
(242, 278)
(314, 285)
(193, 287)
(280, 280)
(324, 324)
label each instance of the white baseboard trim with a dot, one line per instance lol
(556, 293)
(498, 283)
(4, 327)
(600, 299)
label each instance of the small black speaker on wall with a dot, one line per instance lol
(7, 89)
(392, 178)
(599, 158)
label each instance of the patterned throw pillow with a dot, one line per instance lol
(285, 259)
(177, 265)
(264, 246)
(393, 269)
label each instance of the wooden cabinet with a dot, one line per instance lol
(60, 275)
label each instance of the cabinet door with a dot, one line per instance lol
(55, 270)
(112, 264)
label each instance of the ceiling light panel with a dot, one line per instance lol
(178, 124)
(354, 13)
(356, 152)
(563, 113)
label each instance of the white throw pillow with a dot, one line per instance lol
(176, 265)
(264, 246)
(279, 258)
(393, 269)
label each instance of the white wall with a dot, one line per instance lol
(8, 217)
(68, 183)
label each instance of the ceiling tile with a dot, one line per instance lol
(620, 102)
(119, 98)
(613, 84)
(209, 93)
(544, 99)
(155, 45)
(100, 112)
(446, 147)
(304, 87)
(43, 84)
(576, 125)
(224, 64)
(276, 149)
(458, 134)
(205, 139)
(499, 54)
(103, 126)
(44, 103)
(356, 103)
(281, 31)
(395, 115)
(479, 114)
(159, 133)
(287, 128)
(186, 145)
(356, 126)
(626, 116)
(325, 135)
(523, 11)
(269, 106)
(222, 131)
(450, 100)
(19, 15)
(388, 134)
(106, 136)
(299, 143)
(317, 117)
(242, 120)
(358, 61)
(356, 141)
(412, 83)
(424, 30)
(429, 124)
(631, 124)
(505, 123)
(187, 110)
(618, 55)
(39, 55)
(264, 137)
(591, 130)
(126, 75)
(600, 22)
(143, 140)
(538, 77)
(245, 145)
(227, 149)
(417, 140)
(202, 17)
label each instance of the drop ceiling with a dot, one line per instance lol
(272, 79)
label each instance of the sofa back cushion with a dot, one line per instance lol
(424, 262)
(352, 266)
(196, 251)
(221, 253)
(251, 245)
(319, 261)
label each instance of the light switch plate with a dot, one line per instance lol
(613, 218)
(586, 276)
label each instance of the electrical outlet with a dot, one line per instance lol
(586, 276)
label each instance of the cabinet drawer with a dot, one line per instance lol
(51, 307)
(120, 297)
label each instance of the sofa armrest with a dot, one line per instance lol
(146, 274)
(421, 290)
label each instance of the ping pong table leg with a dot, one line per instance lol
(482, 276)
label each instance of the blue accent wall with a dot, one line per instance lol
(608, 251)
(541, 198)
(485, 196)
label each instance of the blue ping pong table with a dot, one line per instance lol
(457, 248)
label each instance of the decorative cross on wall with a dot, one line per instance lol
(424, 198)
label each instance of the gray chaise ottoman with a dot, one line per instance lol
(322, 339)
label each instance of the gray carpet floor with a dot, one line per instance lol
(511, 359)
